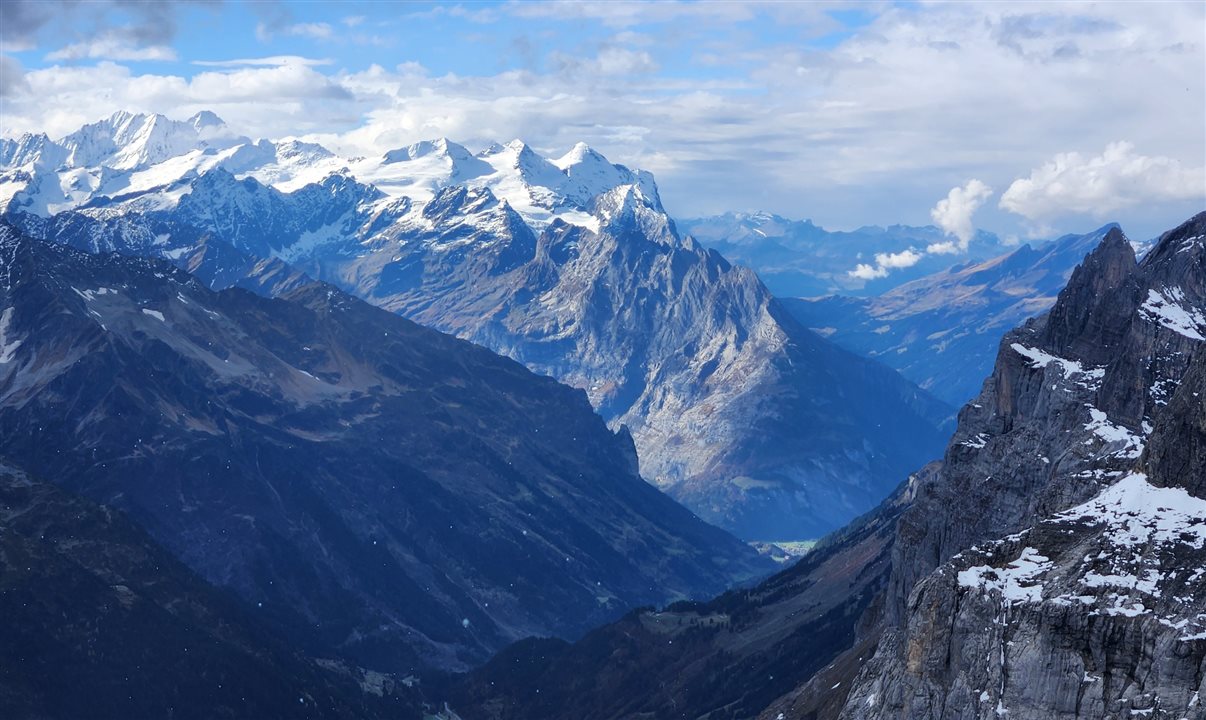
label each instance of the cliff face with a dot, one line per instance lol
(1052, 569)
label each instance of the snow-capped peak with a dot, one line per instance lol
(133, 141)
(578, 154)
(206, 119)
(149, 160)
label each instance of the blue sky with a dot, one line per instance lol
(1024, 119)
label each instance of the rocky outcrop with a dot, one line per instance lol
(385, 491)
(1052, 569)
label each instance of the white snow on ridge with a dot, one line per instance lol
(1135, 512)
(1018, 582)
(8, 347)
(148, 162)
(1167, 309)
(1070, 368)
(1100, 425)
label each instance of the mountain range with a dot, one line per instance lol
(570, 266)
(1048, 566)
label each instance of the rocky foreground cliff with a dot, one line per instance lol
(1054, 568)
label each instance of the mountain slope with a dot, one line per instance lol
(100, 622)
(405, 497)
(941, 331)
(574, 268)
(726, 658)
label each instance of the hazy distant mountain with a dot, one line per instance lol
(571, 266)
(377, 488)
(796, 258)
(942, 331)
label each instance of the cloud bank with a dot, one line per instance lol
(1099, 186)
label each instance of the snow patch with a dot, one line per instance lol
(8, 346)
(1168, 310)
(1100, 425)
(1018, 582)
(1135, 513)
(1072, 369)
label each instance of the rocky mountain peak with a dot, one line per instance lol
(1090, 316)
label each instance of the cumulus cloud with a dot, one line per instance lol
(886, 262)
(954, 215)
(301, 98)
(99, 29)
(1118, 178)
(112, 47)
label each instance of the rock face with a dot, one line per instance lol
(941, 331)
(384, 491)
(1053, 568)
(101, 622)
(572, 267)
(796, 258)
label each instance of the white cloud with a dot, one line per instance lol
(301, 99)
(863, 271)
(954, 215)
(1119, 178)
(903, 259)
(316, 30)
(886, 262)
(272, 61)
(112, 47)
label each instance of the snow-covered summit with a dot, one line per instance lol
(132, 141)
(144, 161)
